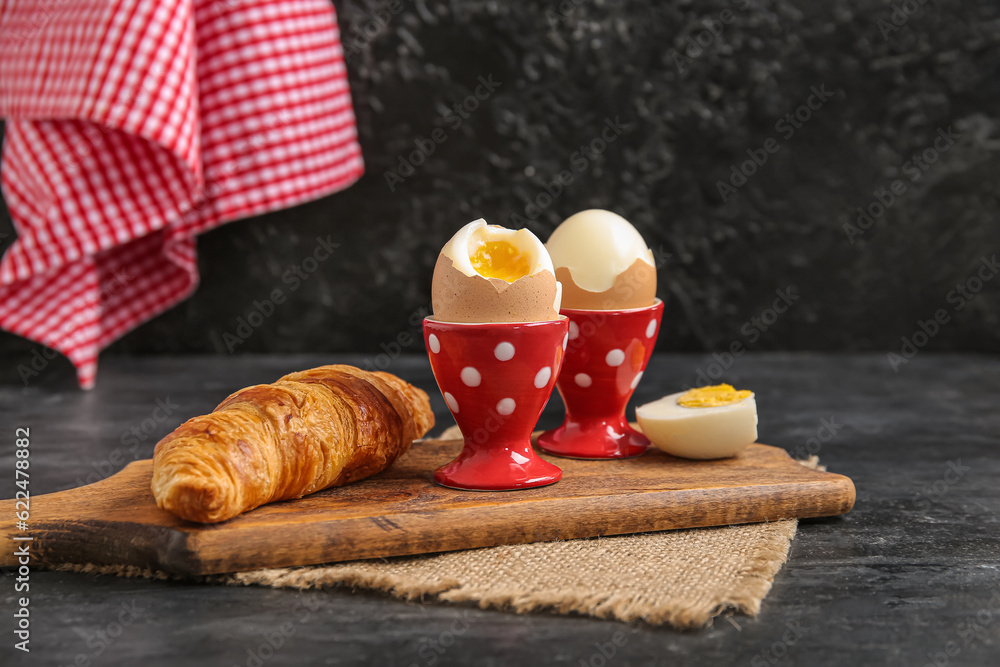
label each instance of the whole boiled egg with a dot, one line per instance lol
(602, 262)
(705, 423)
(487, 273)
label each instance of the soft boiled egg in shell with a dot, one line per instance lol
(602, 262)
(487, 273)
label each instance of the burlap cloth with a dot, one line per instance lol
(680, 577)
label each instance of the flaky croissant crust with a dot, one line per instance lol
(308, 431)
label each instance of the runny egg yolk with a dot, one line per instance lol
(712, 397)
(500, 259)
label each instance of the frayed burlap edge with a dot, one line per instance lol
(745, 595)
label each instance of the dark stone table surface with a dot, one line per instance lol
(910, 577)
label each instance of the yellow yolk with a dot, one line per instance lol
(712, 397)
(500, 259)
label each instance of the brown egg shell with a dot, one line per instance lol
(456, 297)
(635, 287)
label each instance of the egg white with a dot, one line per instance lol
(597, 246)
(699, 433)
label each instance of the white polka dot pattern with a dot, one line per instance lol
(583, 380)
(615, 357)
(504, 351)
(433, 343)
(471, 377)
(506, 406)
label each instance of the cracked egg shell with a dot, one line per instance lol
(633, 288)
(602, 262)
(456, 297)
(487, 273)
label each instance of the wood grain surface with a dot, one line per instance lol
(401, 511)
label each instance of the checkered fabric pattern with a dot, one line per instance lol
(132, 126)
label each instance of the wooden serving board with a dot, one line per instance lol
(401, 511)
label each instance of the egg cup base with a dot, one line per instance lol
(594, 439)
(524, 469)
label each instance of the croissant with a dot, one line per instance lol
(308, 431)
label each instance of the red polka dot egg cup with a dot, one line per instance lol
(496, 378)
(607, 353)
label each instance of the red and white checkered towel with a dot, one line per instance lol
(134, 125)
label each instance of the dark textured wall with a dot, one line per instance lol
(687, 115)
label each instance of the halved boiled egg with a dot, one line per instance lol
(602, 262)
(704, 423)
(487, 273)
